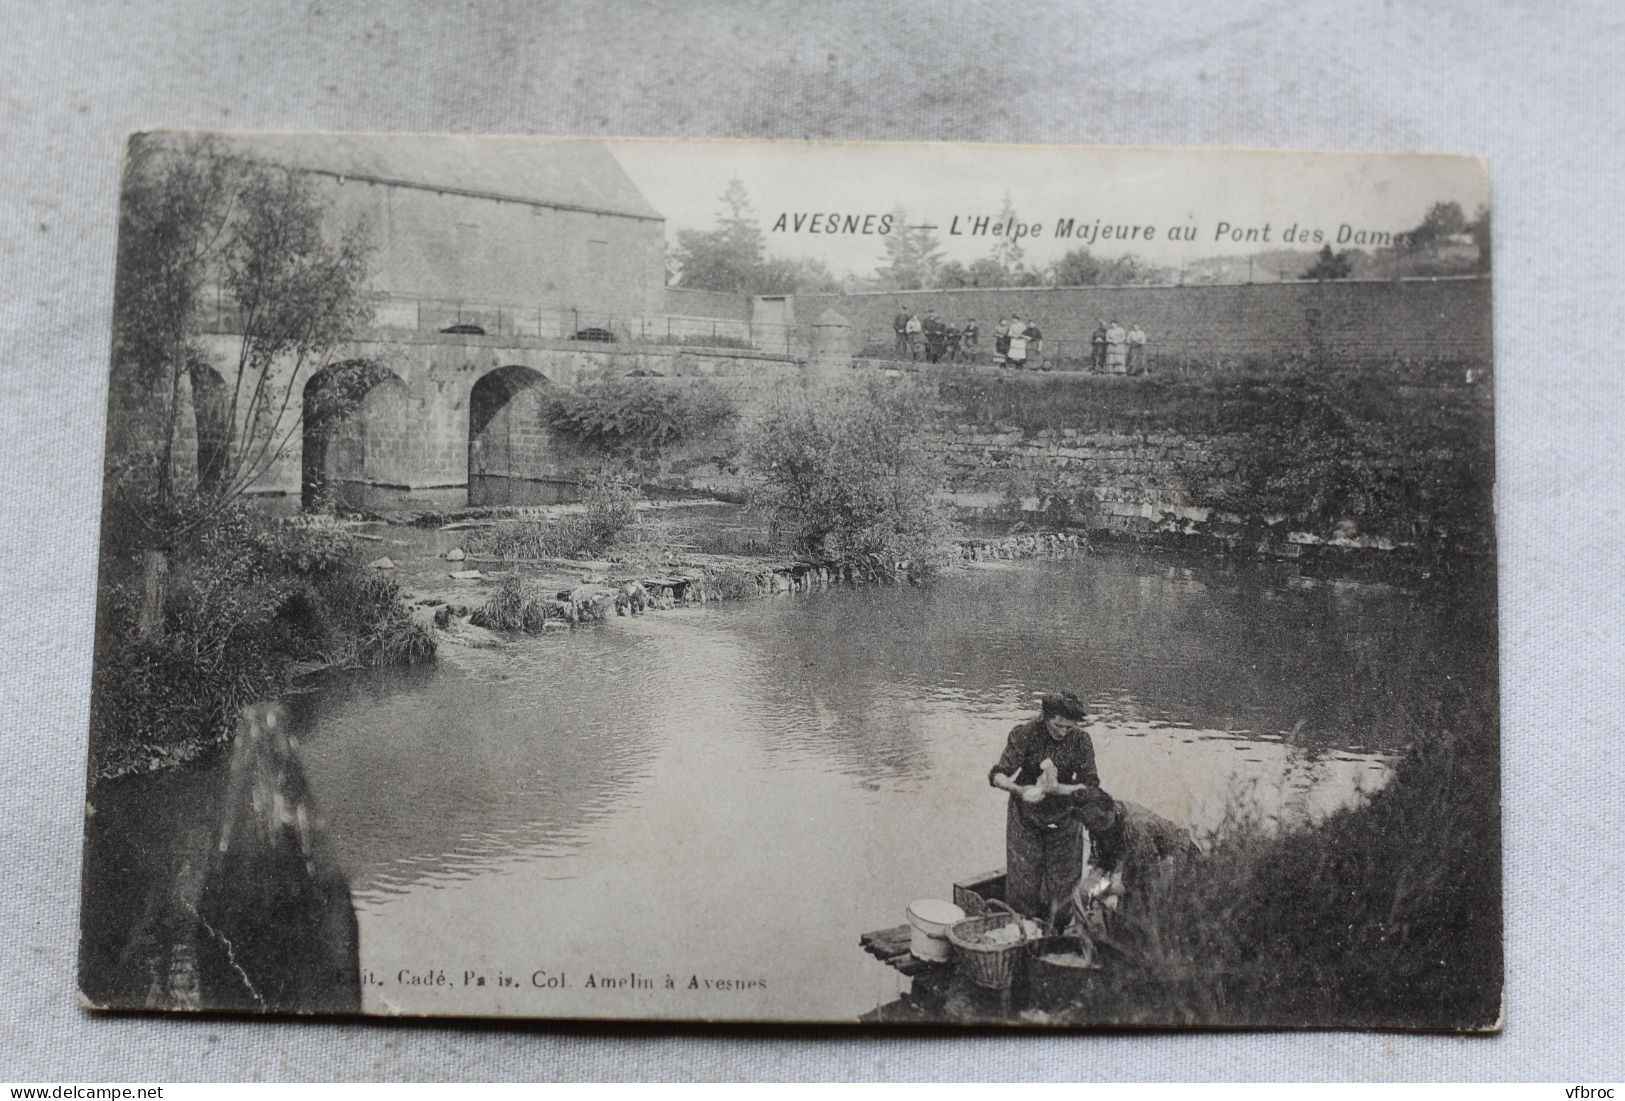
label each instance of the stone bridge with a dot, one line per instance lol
(439, 410)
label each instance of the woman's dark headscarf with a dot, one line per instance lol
(1099, 814)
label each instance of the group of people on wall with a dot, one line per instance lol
(932, 338)
(1018, 343)
(1114, 350)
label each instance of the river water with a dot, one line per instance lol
(736, 791)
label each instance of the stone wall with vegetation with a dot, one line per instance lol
(1305, 462)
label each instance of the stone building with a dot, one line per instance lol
(479, 246)
(515, 235)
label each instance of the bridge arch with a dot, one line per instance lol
(507, 433)
(356, 431)
(211, 419)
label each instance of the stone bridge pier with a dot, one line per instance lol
(430, 411)
(417, 412)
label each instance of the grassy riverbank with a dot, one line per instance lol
(1386, 914)
(252, 602)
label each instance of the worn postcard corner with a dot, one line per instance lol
(738, 581)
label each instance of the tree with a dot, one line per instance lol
(1442, 221)
(988, 272)
(729, 257)
(1129, 268)
(1081, 268)
(805, 275)
(1007, 250)
(844, 473)
(732, 258)
(983, 272)
(196, 221)
(913, 255)
(952, 276)
(1330, 265)
(1480, 229)
(1078, 267)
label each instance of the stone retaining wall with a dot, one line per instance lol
(1156, 487)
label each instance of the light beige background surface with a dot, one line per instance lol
(1536, 90)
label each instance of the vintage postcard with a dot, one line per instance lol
(797, 582)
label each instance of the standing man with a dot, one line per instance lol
(1116, 349)
(1097, 348)
(1045, 763)
(899, 326)
(1136, 349)
(912, 330)
(1001, 341)
(935, 334)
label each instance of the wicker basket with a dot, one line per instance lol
(989, 965)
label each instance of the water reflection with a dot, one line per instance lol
(481, 490)
(744, 788)
(433, 773)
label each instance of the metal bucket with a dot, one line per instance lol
(928, 921)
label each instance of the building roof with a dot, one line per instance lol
(570, 173)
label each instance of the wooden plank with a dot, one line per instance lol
(911, 965)
(886, 942)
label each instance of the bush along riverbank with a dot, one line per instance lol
(844, 486)
(251, 604)
(1387, 913)
(1384, 914)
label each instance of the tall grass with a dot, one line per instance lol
(523, 605)
(732, 582)
(1383, 914)
(610, 513)
(527, 540)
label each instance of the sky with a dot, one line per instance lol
(1199, 191)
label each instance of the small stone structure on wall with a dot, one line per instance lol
(830, 356)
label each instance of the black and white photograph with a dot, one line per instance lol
(797, 582)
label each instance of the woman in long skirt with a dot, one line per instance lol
(1116, 350)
